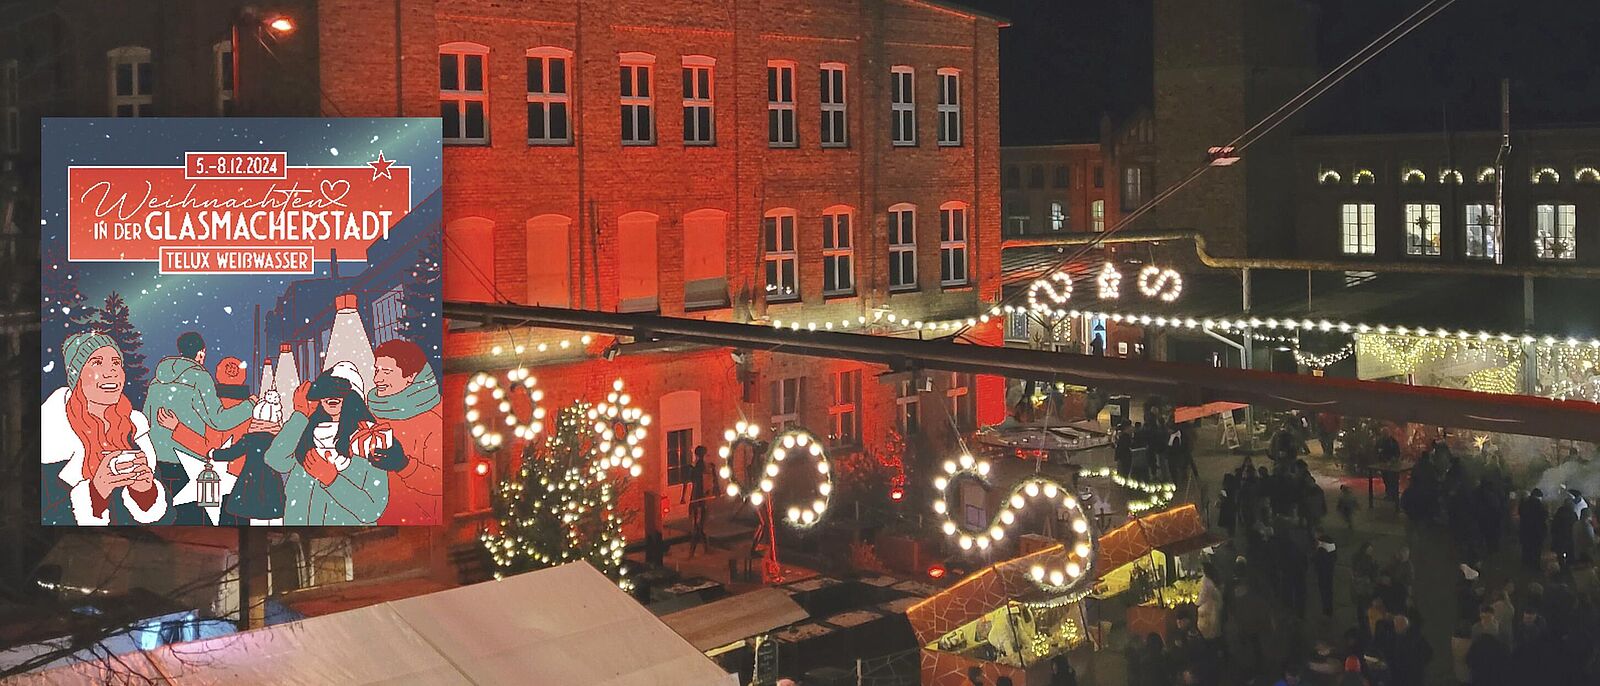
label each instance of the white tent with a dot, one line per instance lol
(564, 625)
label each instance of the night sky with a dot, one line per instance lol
(1064, 62)
(219, 307)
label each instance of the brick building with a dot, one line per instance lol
(1051, 189)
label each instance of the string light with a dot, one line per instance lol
(1155, 282)
(1161, 492)
(1486, 174)
(1323, 361)
(1362, 176)
(790, 444)
(1449, 176)
(1328, 177)
(1543, 174)
(1587, 175)
(1413, 175)
(1076, 563)
(563, 344)
(1048, 288)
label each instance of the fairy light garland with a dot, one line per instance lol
(793, 443)
(563, 344)
(1078, 560)
(1323, 361)
(1161, 493)
(1586, 175)
(488, 436)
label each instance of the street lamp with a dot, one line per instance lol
(281, 24)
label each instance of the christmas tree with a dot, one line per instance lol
(561, 506)
(63, 312)
(113, 320)
(420, 295)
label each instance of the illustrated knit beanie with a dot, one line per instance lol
(77, 349)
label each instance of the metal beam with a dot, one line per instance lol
(1187, 384)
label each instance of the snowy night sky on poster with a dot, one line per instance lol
(221, 307)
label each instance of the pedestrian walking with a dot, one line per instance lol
(1323, 560)
(698, 490)
(1347, 506)
(1532, 524)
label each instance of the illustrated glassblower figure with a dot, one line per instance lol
(102, 445)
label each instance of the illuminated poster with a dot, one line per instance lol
(241, 322)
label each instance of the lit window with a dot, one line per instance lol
(1058, 216)
(838, 253)
(1422, 229)
(780, 105)
(1555, 232)
(463, 93)
(1017, 327)
(908, 406)
(785, 404)
(846, 423)
(780, 259)
(549, 96)
(903, 107)
(222, 70)
(1480, 224)
(1097, 215)
(953, 244)
(637, 100)
(10, 104)
(835, 132)
(960, 398)
(949, 107)
(1132, 188)
(1357, 234)
(680, 456)
(902, 247)
(699, 126)
(132, 82)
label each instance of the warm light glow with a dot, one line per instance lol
(281, 24)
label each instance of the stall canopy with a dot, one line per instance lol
(1180, 528)
(564, 625)
(1189, 413)
(720, 622)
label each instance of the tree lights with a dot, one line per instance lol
(782, 451)
(1072, 574)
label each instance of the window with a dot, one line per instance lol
(680, 456)
(902, 106)
(387, 311)
(133, 81)
(908, 406)
(1097, 215)
(1018, 217)
(638, 103)
(468, 260)
(949, 107)
(698, 124)
(1356, 230)
(953, 244)
(636, 282)
(1422, 229)
(1099, 176)
(780, 105)
(549, 255)
(222, 71)
(1018, 327)
(549, 97)
(1058, 216)
(1132, 188)
(1481, 229)
(463, 93)
(846, 422)
(705, 259)
(1036, 176)
(785, 404)
(781, 260)
(1013, 177)
(1555, 232)
(835, 131)
(902, 247)
(838, 253)
(960, 399)
(1061, 176)
(10, 104)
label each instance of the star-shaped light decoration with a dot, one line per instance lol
(380, 167)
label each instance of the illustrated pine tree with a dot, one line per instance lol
(421, 294)
(64, 312)
(113, 320)
(560, 506)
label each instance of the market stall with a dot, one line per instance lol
(1154, 563)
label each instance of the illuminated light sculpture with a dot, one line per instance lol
(1486, 174)
(1072, 577)
(1328, 177)
(784, 448)
(1413, 175)
(1160, 493)
(1545, 175)
(1110, 282)
(1586, 175)
(1362, 176)
(1449, 176)
(1155, 282)
(619, 432)
(1057, 288)
(490, 436)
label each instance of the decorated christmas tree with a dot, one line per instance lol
(420, 293)
(560, 506)
(113, 320)
(64, 312)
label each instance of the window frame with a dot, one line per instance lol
(629, 103)
(908, 407)
(462, 50)
(949, 109)
(834, 254)
(843, 409)
(1415, 213)
(835, 106)
(695, 66)
(1058, 215)
(683, 465)
(1132, 178)
(781, 101)
(903, 107)
(1365, 229)
(1097, 216)
(950, 245)
(898, 214)
(141, 104)
(223, 88)
(1486, 230)
(774, 256)
(959, 394)
(786, 410)
(547, 98)
(1543, 250)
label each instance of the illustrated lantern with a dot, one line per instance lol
(208, 487)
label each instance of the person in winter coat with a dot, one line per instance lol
(1323, 560)
(1208, 619)
(1532, 524)
(405, 399)
(258, 496)
(182, 385)
(1562, 528)
(335, 475)
(97, 463)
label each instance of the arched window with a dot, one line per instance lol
(779, 255)
(637, 98)
(705, 259)
(953, 256)
(549, 96)
(464, 92)
(637, 283)
(131, 82)
(469, 260)
(549, 260)
(903, 247)
(838, 251)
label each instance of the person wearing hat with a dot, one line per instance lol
(182, 385)
(257, 493)
(332, 479)
(102, 445)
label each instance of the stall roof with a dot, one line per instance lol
(979, 594)
(563, 625)
(724, 621)
(1138, 537)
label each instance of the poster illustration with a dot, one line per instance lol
(241, 322)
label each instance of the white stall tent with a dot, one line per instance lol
(564, 625)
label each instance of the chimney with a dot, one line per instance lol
(285, 348)
(345, 302)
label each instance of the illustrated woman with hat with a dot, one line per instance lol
(336, 465)
(98, 462)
